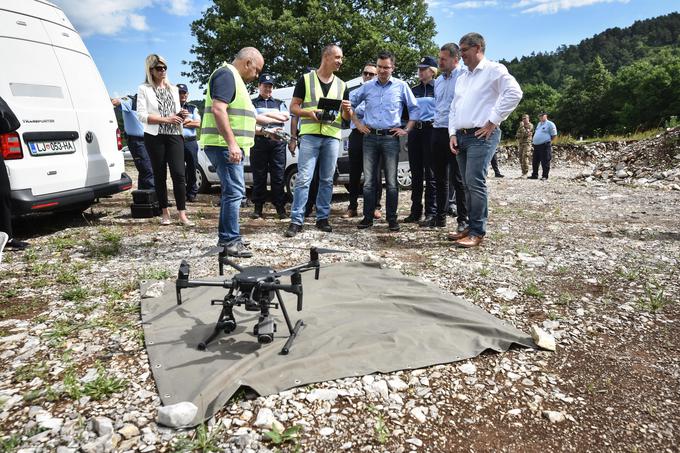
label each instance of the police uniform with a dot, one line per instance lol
(268, 156)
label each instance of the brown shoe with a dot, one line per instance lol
(350, 214)
(377, 214)
(470, 241)
(454, 236)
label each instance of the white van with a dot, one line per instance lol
(67, 151)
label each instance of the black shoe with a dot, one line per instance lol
(365, 223)
(532, 177)
(281, 212)
(543, 178)
(412, 218)
(293, 229)
(17, 245)
(428, 222)
(191, 198)
(257, 212)
(393, 225)
(498, 175)
(238, 250)
(323, 225)
(440, 221)
(452, 211)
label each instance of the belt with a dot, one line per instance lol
(190, 139)
(423, 124)
(469, 131)
(379, 131)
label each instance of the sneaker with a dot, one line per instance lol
(16, 245)
(281, 212)
(350, 213)
(257, 212)
(323, 225)
(498, 175)
(532, 177)
(393, 225)
(238, 250)
(412, 218)
(461, 227)
(293, 229)
(3, 241)
(428, 222)
(544, 178)
(365, 223)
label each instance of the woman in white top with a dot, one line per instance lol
(158, 108)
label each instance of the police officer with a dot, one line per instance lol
(268, 155)
(420, 145)
(191, 122)
(135, 141)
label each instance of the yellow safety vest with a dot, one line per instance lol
(241, 117)
(311, 101)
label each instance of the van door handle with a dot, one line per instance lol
(21, 22)
(51, 172)
(112, 165)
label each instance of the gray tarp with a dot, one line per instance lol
(360, 319)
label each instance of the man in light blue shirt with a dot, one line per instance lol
(447, 174)
(135, 141)
(385, 98)
(544, 135)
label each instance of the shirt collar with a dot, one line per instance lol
(389, 81)
(482, 64)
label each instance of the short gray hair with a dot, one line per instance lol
(474, 39)
(452, 49)
(248, 53)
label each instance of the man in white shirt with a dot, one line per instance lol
(485, 95)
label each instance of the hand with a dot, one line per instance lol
(453, 145)
(273, 134)
(312, 114)
(186, 121)
(183, 113)
(486, 130)
(398, 132)
(115, 102)
(175, 119)
(292, 146)
(346, 106)
(361, 127)
(235, 154)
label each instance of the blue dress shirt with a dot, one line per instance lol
(444, 89)
(384, 103)
(544, 132)
(358, 111)
(132, 125)
(424, 94)
(195, 116)
(270, 105)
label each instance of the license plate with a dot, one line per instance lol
(52, 147)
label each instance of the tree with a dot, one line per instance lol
(537, 98)
(291, 34)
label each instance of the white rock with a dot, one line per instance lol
(128, 431)
(542, 338)
(415, 441)
(379, 389)
(102, 426)
(346, 446)
(506, 293)
(514, 411)
(397, 385)
(322, 395)
(554, 416)
(100, 445)
(265, 418)
(468, 368)
(417, 413)
(177, 415)
(326, 431)
(155, 289)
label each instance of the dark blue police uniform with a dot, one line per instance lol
(419, 154)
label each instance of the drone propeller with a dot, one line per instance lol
(322, 250)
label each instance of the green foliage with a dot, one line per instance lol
(153, 274)
(289, 434)
(107, 245)
(382, 433)
(532, 290)
(654, 299)
(75, 294)
(291, 34)
(10, 443)
(104, 385)
(537, 98)
(203, 441)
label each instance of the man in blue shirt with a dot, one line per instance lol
(268, 155)
(135, 141)
(543, 137)
(444, 164)
(191, 122)
(385, 99)
(420, 144)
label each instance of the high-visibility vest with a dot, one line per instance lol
(241, 117)
(311, 101)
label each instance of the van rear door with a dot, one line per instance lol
(35, 88)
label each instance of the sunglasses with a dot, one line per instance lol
(369, 74)
(160, 68)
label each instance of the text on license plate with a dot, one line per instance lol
(53, 147)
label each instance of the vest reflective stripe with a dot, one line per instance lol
(241, 117)
(312, 94)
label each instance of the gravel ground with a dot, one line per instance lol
(596, 264)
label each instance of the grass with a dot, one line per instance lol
(533, 291)
(382, 433)
(63, 243)
(202, 440)
(289, 434)
(67, 277)
(76, 294)
(27, 373)
(654, 298)
(104, 385)
(10, 443)
(107, 245)
(154, 274)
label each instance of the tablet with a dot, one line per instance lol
(327, 104)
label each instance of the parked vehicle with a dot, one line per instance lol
(206, 175)
(67, 152)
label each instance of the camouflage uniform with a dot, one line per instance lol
(524, 136)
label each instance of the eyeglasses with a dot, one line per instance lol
(369, 74)
(160, 68)
(465, 49)
(385, 68)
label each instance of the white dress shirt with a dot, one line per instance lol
(489, 93)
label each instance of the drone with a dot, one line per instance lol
(254, 288)
(277, 133)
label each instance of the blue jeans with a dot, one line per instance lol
(473, 160)
(233, 191)
(325, 150)
(376, 146)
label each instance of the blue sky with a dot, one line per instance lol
(121, 33)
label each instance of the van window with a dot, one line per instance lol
(35, 90)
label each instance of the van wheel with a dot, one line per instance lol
(202, 181)
(289, 181)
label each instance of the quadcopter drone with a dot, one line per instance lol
(277, 133)
(254, 288)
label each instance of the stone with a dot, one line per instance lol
(506, 293)
(418, 414)
(468, 368)
(415, 441)
(542, 338)
(152, 289)
(100, 445)
(177, 415)
(326, 431)
(102, 426)
(554, 416)
(265, 418)
(322, 395)
(397, 385)
(128, 431)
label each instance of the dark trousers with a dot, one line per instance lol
(142, 162)
(494, 165)
(5, 200)
(419, 159)
(443, 163)
(268, 156)
(356, 167)
(190, 166)
(542, 155)
(167, 151)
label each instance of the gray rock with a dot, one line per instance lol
(542, 338)
(265, 418)
(554, 416)
(100, 445)
(151, 289)
(468, 368)
(102, 426)
(129, 431)
(177, 415)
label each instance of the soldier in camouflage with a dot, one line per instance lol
(525, 132)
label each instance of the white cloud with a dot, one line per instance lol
(474, 4)
(114, 17)
(554, 6)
